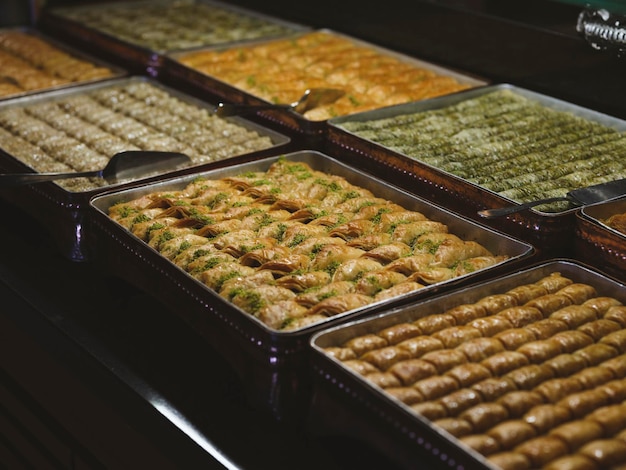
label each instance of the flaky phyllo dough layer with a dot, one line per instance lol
(293, 246)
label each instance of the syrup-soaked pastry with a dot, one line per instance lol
(617, 314)
(453, 336)
(455, 426)
(546, 416)
(527, 377)
(605, 452)
(513, 338)
(542, 449)
(420, 345)
(364, 343)
(617, 365)
(410, 232)
(479, 349)
(496, 302)
(612, 418)
(460, 400)
(397, 333)
(340, 353)
(481, 443)
(468, 373)
(383, 379)
(617, 339)
(596, 353)
(493, 388)
(554, 282)
(445, 359)
(384, 358)
(465, 313)
(572, 340)
(591, 377)
(407, 395)
(402, 288)
(519, 402)
(360, 367)
(511, 432)
(430, 410)
(578, 292)
(575, 315)
(412, 370)
(521, 316)
(505, 361)
(601, 304)
(549, 303)
(436, 387)
(615, 390)
(577, 432)
(509, 460)
(584, 402)
(491, 325)
(433, 323)
(565, 364)
(556, 389)
(451, 251)
(484, 416)
(527, 292)
(546, 328)
(599, 328)
(540, 350)
(572, 462)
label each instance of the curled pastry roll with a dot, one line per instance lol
(616, 339)
(364, 343)
(577, 432)
(432, 275)
(482, 443)
(215, 277)
(314, 296)
(299, 282)
(370, 241)
(542, 449)
(549, 303)
(617, 314)
(396, 333)
(411, 264)
(572, 340)
(389, 252)
(407, 395)
(515, 337)
(521, 316)
(445, 359)
(575, 315)
(280, 314)
(430, 410)
(596, 353)
(565, 364)
(384, 358)
(540, 350)
(509, 460)
(591, 377)
(512, 432)
(601, 304)
(340, 353)
(340, 303)
(615, 390)
(397, 290)
(410, 232)
(420, 345)
(491, 325)
(276, 262)
(479, 349)
(546, 328)
(360, 367)
(554, 282)
(493, 388)
(334, 254)
(254, 299)
(387, 220)
(584, 402)
(496, 302)
(356, 268)
(612, 418)
(352, 229)
(484, 416)
(527, 377)
(518, 402)
(436, 322)
(412, 370)
(455, 426)
(450, 252)
(468, 373)
(373, 282)
(452, 336)
(383, 379)
(436, 386)
(578, 292)
(527, 292)
(572, 462)
(460, 400)
(465, 313)
(599, 328)
(555, 389)
(617, 365)
(546, 416)
(605, 452)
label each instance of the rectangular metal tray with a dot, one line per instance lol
(547, 231)
(138, 54)
(292, 120)
(345, 405)
(599, 244)
(116, 71)
(63, 213)
(272, 363)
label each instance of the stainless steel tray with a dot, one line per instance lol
(63, 212)
(290, 119)
(347, 405)
(546, 230)
(139, 52)
(272, 362)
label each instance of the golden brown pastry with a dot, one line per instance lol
(527, 377)
(572, 462)
(494, 387)
(617, 314)
(527, 292)
(433, 323)
(400, 332)
(465, 313)
(546, 328)
(549, 303)
(519, 402)
(460, 400)
(412, 370)
(596, 353)
(445, 359)
(540, 350)
(436, 386)
(479, 349)
(584, 402)
(496, 302)
(484, 416)
(522, 315)
(605, 452)
(513, 338)
(430, 410)
(578, 292)
(384, 358)
(383, 379)
(591, 377)
(468, 373)
(617, 365)
(564, 365)
(575, 315)
(546, 416)
(615, 390)
(578, 432)
(408, 395)
(452, 336)
(360, 367)
(339, 353)
(617, 339)
(601, 304)
(572, 340)
(512, 432)
(599, 328)
(420, 345)
(554, 282)
(542, 450)
(612, 418)
(491, 325)
(509, 460)
(481, 443)
(505, 361)
(362, 344)
(455, 426)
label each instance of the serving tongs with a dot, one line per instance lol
(127, 165)
(312, 98)
(577, 197)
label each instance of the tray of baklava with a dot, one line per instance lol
(140, 32)
(526, 371)
(80, 128)
(493, 146)
(31, 62)
(258, 255)
(279, 71)
(601, 235)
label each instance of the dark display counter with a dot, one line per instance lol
(96, 374)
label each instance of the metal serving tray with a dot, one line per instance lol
(137, 54)
(549, 232)
(599, 244)
(64, 213)
(347, 405)
(271, 363)
(290, 119)
(116, 72)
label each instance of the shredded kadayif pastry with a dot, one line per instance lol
(293, 246)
